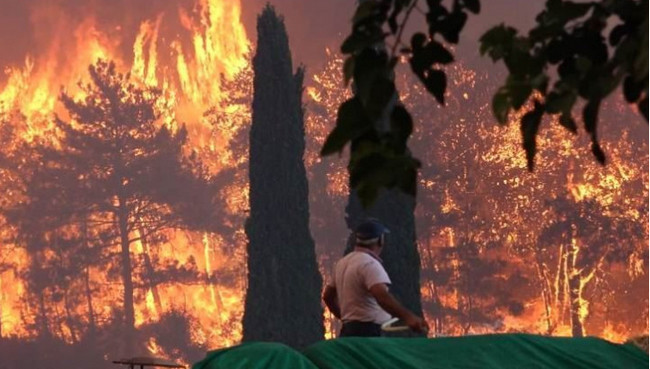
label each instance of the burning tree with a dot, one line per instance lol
(283, 296)
(114, 176)
(588, 237)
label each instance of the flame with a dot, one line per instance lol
(205, 79)
(192, 76)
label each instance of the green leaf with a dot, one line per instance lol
(540, 83)
(558, 102)
(451, 27)
(348, 69)
(373, 81)
(598, 152)
(392, 19)
(567, 121)
(501, 105)
(519, 91)
(417, 40)
(381, 92)
(359, 40)
(590, 115)
(351, 122)
(520, 63)
(529, 128)
(436, 53)
(631, 89)
(643, 107)
(365, 10)
(497, 42)
(473, 6)
(583, 65)
(401, 127)
(436, 84)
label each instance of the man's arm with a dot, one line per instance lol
(389, 303)
(332, 301)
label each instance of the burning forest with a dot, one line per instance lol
(126, 218)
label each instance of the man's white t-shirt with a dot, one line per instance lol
(354, 274)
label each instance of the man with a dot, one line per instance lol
(358, 293)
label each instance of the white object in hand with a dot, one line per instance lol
(389, 327)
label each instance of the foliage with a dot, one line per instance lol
(570, 40)
(568, 35)
(283, 292)
(375, 124)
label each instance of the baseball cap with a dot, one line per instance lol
(369, 231)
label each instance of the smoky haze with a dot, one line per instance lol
(26, 26)
(491, 235)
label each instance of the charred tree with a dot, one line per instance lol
(284, 284)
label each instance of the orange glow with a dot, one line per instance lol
(192, 81)
(206, 82)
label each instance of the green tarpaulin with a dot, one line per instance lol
(507, 351)
(255, 355)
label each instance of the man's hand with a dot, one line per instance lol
(392, 306)
(417, 324)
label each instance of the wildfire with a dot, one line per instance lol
(474, 173)
(192, 75)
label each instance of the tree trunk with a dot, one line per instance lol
(129, 311)
(69, 319)
(561, 284)
(215, 295)
(151, 273)
(89, 302)
(87, 290)
(546, 292)
(42, 316)
(575, 290)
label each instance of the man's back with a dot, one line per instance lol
(354, 275)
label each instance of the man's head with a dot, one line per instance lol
(370, 234)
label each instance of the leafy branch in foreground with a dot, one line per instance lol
(567, 49)
(374, 122)
(569, 42)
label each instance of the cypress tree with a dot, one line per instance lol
(284, 284)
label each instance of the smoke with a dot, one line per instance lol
(27, 27)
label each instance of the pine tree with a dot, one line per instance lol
(283, 296)
(116, 169)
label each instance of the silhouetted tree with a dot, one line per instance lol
(283, 296)
(116, 169)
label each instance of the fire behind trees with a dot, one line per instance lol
(112, 177)
(480, 218)
(479, 210)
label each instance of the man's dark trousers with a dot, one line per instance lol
(360, 329)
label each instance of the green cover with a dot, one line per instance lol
(255, 355)
(505, 351)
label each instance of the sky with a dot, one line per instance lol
(313, 25)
